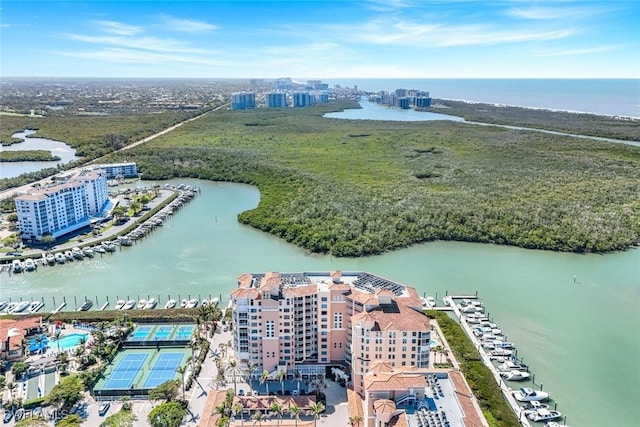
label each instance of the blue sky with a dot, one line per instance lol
(321, 39)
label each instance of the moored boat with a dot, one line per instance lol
(109, 247)
(86, 305)
(141, 304)
(3, 305)
(21, 307)
(30, 265)
(170, 304)
(184, 303)
(77, 253)
(193, 302)
(129, 304)
(51, 259)
(35, 306)
(88, 252)
(68, 255)
(515, 375)
(16, 266)
(526, 394)
(60, 258)
(119, 304)
(150, 304)
(99, 249)
(544, 415)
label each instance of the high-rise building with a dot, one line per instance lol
(302, 99)
(422, 102)
(304, 321)
(63, 207)
(243, 100)
(276, 100)
(114, 170)
(403, 102)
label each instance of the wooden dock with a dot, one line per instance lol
(506, 391)
(60, 307)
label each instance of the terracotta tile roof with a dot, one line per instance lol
(472, 414)
(300, 291)
(244, 280)
(245, 293)
(22, 325)
(355, 403)
(395, 317)
(384, 406)
(393, 380)
(209, 418)
(399, 421)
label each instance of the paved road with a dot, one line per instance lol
(12, 191)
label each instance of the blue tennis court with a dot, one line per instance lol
(141, 333)
(163, 332)
(124, 373)
(164, 368)
(184, 332)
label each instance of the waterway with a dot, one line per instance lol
(57, 148)
(579, 336)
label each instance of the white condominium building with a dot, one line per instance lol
(63, 207)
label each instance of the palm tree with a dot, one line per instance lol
(355, 420)
(181, 370)
(39, 339)
(238, 408)
(251, 367)
(277, 408)
(57, 336)
(257, 418)
(298, 377)
(317, 409)
(295, 410)
(263, 379)
(280, 376)
(232, 369)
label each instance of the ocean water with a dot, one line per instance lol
(600, 96)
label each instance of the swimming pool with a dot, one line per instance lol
(68, 341)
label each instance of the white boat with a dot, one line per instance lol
(129, 304)
(35, 306)
(526, 394)
(21, 307)
(515, 375)
(555, 424)
(88, 252)
(109, 247)
(170, 304)
(11, 306)
(125, 241)
(205, 302)
(60, 258)
(3, 305)
(119, 304)
(16, 266)
(533, 406)
(99, 249)
(51, 259)
(214, 302)
(150, 304)
(30, 265)
(544, 415)
(141, 304)
(184, 303)
(77, 253)
(86, 305)
(68, 255)
(501, 352)
(510, 365)
(193, 302)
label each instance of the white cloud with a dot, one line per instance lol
(556, 13)
(142, 43)
(580, 51)
(118, 28)
(122, 55)
(405, 33)
(186, 25)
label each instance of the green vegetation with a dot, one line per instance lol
(122, 418)
(400, 183)
(28, 156)
(168, 414)
(577, 123)
(67, 392)
(484, 387)
(26, 178)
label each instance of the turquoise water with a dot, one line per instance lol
(600, 96)
(67, 341)
(580, 338)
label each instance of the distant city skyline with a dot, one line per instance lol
(321, 39)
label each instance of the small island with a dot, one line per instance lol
(28, 156)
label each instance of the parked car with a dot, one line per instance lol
(7, 416)
(104, 408)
